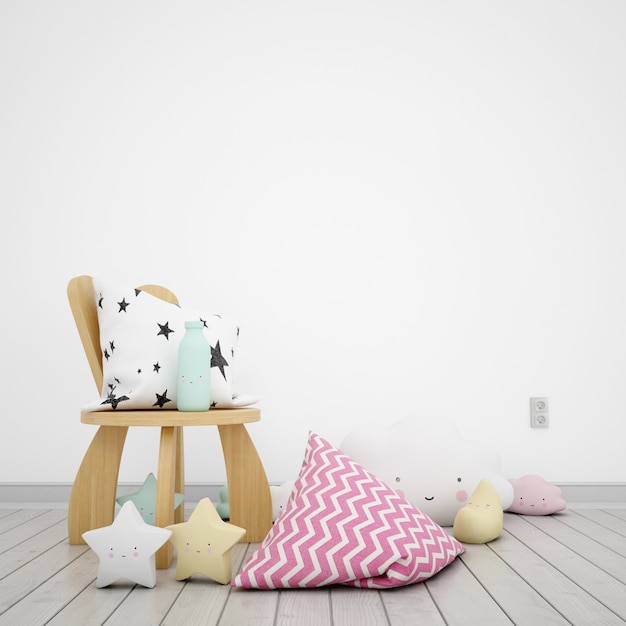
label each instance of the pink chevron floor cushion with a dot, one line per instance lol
(342, 525)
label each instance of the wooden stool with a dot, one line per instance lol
(92, 501)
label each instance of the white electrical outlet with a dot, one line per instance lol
(539, 412)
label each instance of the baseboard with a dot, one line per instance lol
(57, 495)
(591, 494)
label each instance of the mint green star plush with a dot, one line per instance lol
(145, 499)
(223, 506)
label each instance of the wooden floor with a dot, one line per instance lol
(564, 569)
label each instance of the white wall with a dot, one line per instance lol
(417, 207)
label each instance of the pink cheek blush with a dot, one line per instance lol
(461, 495)
(400, 493)
(135, 553)
(544, 504)
(111, 555)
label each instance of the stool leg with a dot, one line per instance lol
(165, 491)
(179, 482)
(248, 490)
(92, 501)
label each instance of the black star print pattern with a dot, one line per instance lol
(135, 358)
(112, 399)
(217, 360)
(165, 330)
(161, 399)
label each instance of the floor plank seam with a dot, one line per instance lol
(569, 569)
(525, 580)
(580, 554)
(169, 610)
(583, 591)
(242, 560)
(382, 602)
(583, 517)
(36, 556)
(277, 608)
(435, 603)
(477, 579)
(330, 612)
(621, 533)
(73, 599)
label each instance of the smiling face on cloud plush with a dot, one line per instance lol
(534, 496)
(428, 463)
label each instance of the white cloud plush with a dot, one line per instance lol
(429, 463)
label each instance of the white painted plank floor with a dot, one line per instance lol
(569, 568)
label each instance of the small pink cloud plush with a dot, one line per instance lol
(534, 496)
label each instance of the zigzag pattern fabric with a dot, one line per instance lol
(342, 525)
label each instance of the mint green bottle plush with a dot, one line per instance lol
(194, 369)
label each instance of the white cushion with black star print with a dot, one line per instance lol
(139, 337)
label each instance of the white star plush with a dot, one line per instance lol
(204, 543)
(126, 548)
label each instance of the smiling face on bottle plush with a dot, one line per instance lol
(193, 390)
(429, 464)
(192, 378)
(534, 496)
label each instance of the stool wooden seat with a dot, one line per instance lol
(92, 501)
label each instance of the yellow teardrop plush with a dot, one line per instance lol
(481, 519)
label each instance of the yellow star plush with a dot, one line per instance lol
(204, 543)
